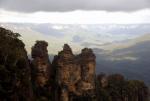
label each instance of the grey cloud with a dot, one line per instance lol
(69, 5)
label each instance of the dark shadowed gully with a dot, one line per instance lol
(68, 78)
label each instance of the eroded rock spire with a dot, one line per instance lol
(41, 69)
(74, 74)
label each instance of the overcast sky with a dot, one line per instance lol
(75, 11)
(69, 5)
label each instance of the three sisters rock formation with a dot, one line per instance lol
(72, 76)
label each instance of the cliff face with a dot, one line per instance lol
(15, 78)
(40, 63)
(41, 70)
(87, 63)
(75, 74)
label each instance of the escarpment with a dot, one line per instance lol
(70, 77)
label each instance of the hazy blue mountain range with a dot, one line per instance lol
(78, 36)
(132, 61)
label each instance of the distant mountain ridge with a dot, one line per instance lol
(130, 58)
(79, 35)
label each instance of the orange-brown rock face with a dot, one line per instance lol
(75, 74)
(40, 67)
(88, 69)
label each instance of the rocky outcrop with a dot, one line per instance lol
(41, 69)
(74, 74)
(87, 63)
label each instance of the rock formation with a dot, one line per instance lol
(69, 78)
(74, 74)
(41, 69)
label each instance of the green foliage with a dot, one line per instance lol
(14, 77)
(137, 89)
(119, 89)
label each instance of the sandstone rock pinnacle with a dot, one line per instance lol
(41, 68)
(74, 73)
